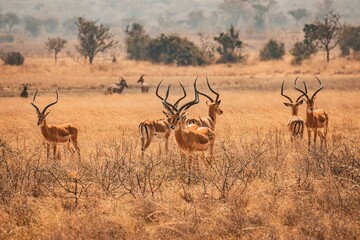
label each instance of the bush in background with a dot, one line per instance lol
(170, 49)
(13, 58)
(272, 50)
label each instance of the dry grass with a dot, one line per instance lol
(260, 186)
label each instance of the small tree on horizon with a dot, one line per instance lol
(328, 32)
(298, 14)
(55, 44)
(230, 46)
(137, 42)
(93, 38)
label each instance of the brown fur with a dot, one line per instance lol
(150, 130)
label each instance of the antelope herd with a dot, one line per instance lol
(195, 136)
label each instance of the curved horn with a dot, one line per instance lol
(217, 94)
(304, 93)
(195, 101)
(33, 102)
(168, 105)
(282, 92)
(177, 102)
(319, 89)
(157, 91)
(53, 103)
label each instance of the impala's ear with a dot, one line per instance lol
(184, 115)
(287, 104)
(314, 97)
(300, 102)
(44, 116)
(166, 114)
(207, 103)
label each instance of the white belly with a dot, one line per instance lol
(159, 136)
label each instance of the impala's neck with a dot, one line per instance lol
(212, 113)
(294, 111)
(309, 115)
(44, 128)
(180, 135)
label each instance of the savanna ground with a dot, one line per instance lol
(259, 186)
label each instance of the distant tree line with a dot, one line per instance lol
(325, 33)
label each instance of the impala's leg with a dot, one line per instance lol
(54, 150)
(47, 150)
(142, 146)
(315, 135)
(75, 144)
(167, 145)
(321, 136)
(160, 148)
(309, 136)
(71, 150)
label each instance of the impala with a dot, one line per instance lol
(117, 87)
(24, 93)
(144, 85)
(193, 139)
(214, 109)
(54, 134)
(156, 130)
(316, 120)
(295, 124)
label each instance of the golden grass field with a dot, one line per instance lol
(259, 186)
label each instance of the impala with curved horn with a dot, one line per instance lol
(156, 130)
(117, 87)
(144, 85)
(295, 124)
(316, 120)
(214, 109)
(54, 134)
(191, 140)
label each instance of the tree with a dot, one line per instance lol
(299, 14)
(32, 25)
(230, 46)
(195, 19)
(137, 42)
(55, 44)
(350, 39)
(327, 32)
(51, 25)
(93, 38)
(10, 19)
(303, 50)
(261, 8)
(324, 7)
(233, 10)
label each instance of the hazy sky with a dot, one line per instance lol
(157, 14)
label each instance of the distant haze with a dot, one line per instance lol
(165, 16)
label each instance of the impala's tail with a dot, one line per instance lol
(326, 124)
(144, 132)
(298, 128)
